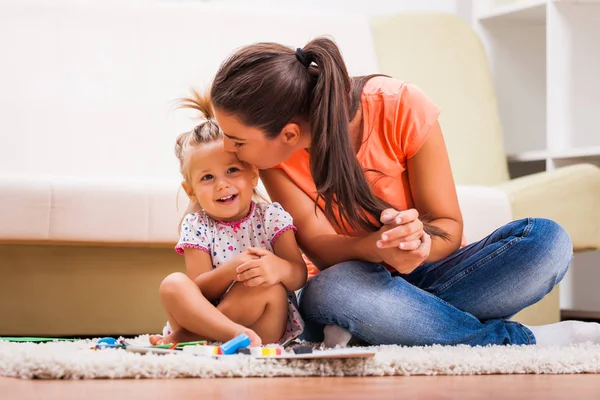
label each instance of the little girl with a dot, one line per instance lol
(242, 260)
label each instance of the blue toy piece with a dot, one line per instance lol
(108, 342)
(237, 342)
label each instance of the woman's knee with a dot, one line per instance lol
(330, 280)
(339, 286)
(550, 246)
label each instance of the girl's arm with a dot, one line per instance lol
(293, 269)
(284, 265)
(213, 282)
(317, 238)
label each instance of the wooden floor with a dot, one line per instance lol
(529, 387)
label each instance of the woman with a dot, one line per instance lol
(387, 229)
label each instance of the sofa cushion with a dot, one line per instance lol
(37, 208)
(443, 55)
(59, 209)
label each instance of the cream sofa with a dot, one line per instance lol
(89, 183)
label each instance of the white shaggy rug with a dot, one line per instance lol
(75, 360)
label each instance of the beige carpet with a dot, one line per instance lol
(66, 360)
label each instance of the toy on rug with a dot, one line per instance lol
(228, 348)
(299, 352)
(179, 345)
(107, 343)
(35, 339)
(238, 342)
(240, 345)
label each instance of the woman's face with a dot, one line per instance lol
(251, 144)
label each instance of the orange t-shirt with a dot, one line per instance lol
(397, 119)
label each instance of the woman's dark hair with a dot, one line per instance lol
(267, 85)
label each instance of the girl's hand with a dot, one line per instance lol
(263, 270)
(245, 257)
(401, 229)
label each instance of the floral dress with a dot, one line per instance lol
(224, 241)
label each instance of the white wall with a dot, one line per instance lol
(362, 7)
(88, 87)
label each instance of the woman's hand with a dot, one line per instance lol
(402, 242)
(406, 261)
(404, 229)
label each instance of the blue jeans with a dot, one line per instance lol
(463, 299)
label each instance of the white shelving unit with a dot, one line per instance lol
(523, 11)
(545, 59)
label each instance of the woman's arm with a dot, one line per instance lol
(434, 193)
(316, 236)
(403, 243)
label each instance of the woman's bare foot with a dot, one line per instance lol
(180, 336)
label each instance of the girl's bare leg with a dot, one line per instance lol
(262, 308)
(177, 335)
(190, 312)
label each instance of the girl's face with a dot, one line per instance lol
(220, 183)
(251, 145)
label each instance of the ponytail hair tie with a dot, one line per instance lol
(303, 58)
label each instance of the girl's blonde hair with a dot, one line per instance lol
(205, 132)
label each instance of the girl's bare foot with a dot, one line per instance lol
(186, 336)
(255, 340)
(180, 336)
(156, 339)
